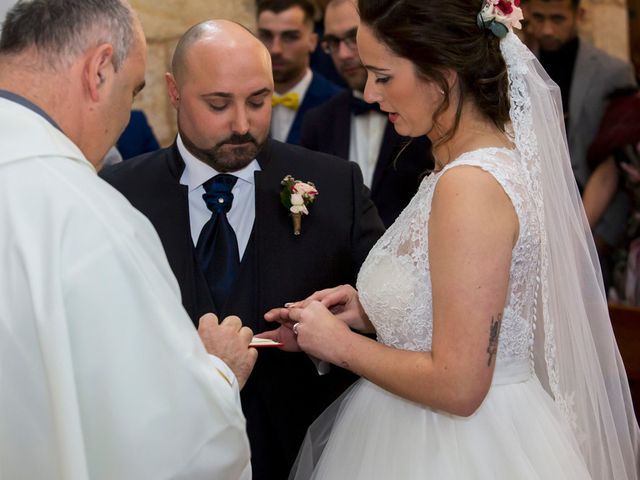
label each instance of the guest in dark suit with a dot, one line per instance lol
(223, 151)
(138, 137)
(352, 129)
(286, 29)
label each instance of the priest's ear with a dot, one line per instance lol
(98, 69)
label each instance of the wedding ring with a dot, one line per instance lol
(295, 328)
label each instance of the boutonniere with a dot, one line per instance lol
(296, 196)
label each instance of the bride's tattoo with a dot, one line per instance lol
(494, 333)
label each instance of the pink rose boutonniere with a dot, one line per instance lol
(296, 196)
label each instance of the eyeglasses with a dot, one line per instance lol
(331, 43)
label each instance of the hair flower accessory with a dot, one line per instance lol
(500, 16)
(296, 196)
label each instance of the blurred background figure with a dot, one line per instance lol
(614, 158)
(138, 137)
(587, 76)
(350, 128)
(286, 29)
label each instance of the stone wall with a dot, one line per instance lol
(606, 25)
(164, 22)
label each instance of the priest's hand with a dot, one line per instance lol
(229, 341)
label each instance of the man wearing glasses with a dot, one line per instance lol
(286, 29)
(350, 128)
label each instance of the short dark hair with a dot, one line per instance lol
(437, 36)
(62, 29)
(278, 6)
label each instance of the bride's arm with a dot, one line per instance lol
(472, 230)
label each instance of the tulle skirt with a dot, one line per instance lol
(369, 434)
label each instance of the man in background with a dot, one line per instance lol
(586, 76)
(350, 128)
(102, 375)
(286, 29)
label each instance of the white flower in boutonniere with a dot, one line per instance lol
(296, 196)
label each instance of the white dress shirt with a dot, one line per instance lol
(367, 132)
(282, 117)
(243, 210)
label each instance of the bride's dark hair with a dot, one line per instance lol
(439, 35)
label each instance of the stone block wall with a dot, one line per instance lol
(606, 25)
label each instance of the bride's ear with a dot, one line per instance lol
(451, 76)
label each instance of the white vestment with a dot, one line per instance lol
(102, 375)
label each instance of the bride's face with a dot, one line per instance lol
(392, 82)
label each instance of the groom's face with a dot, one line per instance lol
(224, 103)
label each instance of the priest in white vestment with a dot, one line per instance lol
(102, 375)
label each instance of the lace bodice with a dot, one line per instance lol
(395, 283)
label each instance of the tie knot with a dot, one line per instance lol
(218, 196)
(290, 100)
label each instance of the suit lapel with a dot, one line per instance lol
(385, 157)
(341, 128)
(173, 220)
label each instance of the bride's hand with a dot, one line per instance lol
(344, 303)
(284, 333)
(319, 332)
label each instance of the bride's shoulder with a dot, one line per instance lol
(487, 155)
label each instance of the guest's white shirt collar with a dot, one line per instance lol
(302, 86)
(358, 94)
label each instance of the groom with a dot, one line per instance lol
(221, 86)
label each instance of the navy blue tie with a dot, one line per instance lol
(217, 248)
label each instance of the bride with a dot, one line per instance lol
(494, 357)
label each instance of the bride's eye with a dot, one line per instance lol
(382, 79)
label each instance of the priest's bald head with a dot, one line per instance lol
(81, 61)
(221, 86)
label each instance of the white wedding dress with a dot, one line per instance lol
(518, 433)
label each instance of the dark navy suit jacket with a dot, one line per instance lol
(284, 393)
(320, 90)
(399, 170)
(137, 138)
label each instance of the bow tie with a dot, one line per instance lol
(359, 106)
(290, 100)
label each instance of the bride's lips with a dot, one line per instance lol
(393, 117)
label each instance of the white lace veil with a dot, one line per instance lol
(575, 354)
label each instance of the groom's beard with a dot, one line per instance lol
(229, 155)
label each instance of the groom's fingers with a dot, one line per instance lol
(270, 335)
(277, 315)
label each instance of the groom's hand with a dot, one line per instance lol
(284, 333)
